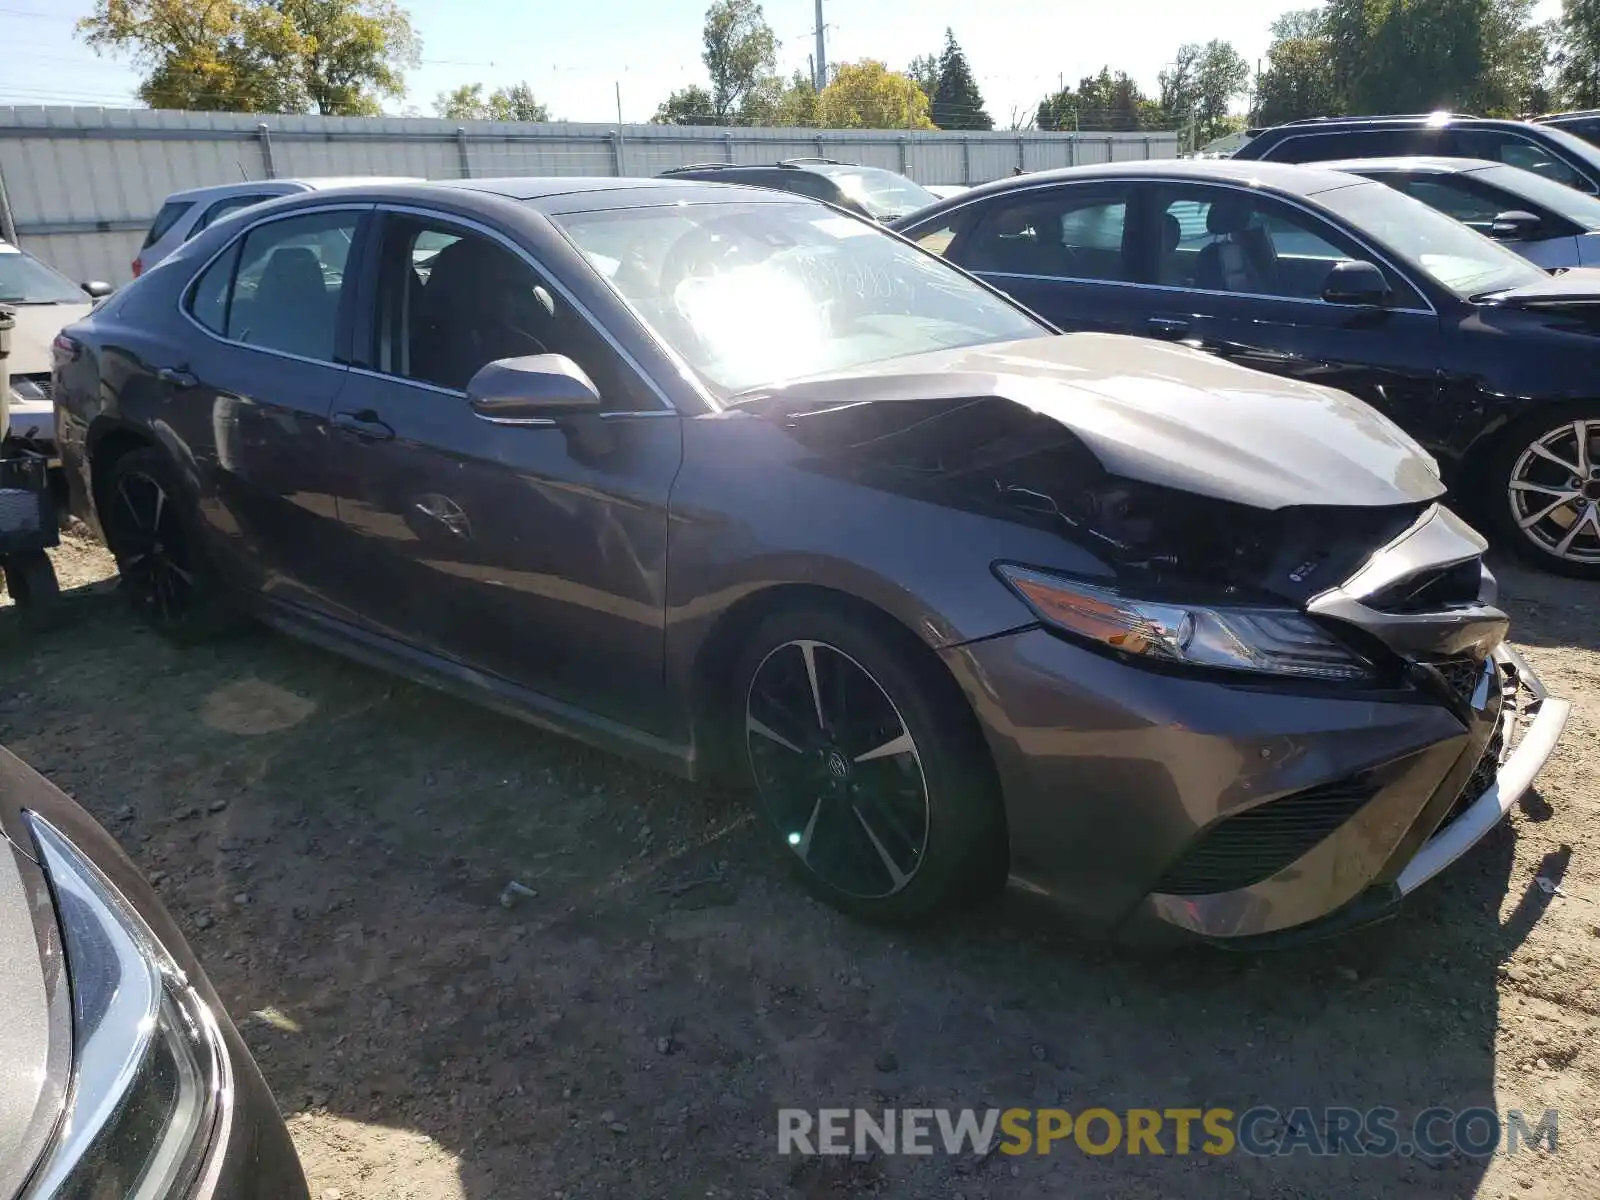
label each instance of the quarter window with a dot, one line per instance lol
(450, 301)
(169, 216)
(279, 288)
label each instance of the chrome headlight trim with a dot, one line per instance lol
(146, 1049)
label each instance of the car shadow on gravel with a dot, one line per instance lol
(339, 843)
(1549, 610)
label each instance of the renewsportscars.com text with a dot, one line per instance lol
(1261, 1131)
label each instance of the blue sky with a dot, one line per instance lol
(574, 55)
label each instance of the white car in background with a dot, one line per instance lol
(1548, 223)
(42, 301)
(187, 213)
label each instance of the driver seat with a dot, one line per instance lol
(1243, 258)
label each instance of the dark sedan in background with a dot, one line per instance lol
(1485, 359)
(732, 480)
(120, 1073)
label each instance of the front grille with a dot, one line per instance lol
(1460, 675)
(1239, 851)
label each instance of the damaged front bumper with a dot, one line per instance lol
(1516, 728)
(1259, 811)
(1530, 725)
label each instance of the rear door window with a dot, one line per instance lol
(1513, 149)
(1065, 233)
(280, 287)
(171, 213)
(1354, 143)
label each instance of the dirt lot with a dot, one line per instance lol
(337, 843)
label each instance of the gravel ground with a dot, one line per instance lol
(338, 842)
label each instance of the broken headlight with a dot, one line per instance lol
(1270, 641)
(149, 1071)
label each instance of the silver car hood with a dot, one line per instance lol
(1169, 415)
(36, 328)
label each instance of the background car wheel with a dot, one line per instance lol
(867, 766)
(1545, 490)
(164, 573)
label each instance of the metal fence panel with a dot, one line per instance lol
(79, 186)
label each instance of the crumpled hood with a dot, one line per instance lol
(36, 328)
(1168, 415)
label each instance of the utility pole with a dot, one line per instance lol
(821, 77)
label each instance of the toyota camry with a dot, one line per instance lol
(740, 484)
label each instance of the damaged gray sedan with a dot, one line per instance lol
(738, 484)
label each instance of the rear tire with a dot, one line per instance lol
(869, 773)
(150, 531)
(1543, 501)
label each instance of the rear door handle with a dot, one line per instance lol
(1168, 327)
(366, 425)
(178, 377)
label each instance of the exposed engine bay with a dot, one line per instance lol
(991, 452)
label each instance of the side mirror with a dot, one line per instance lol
(1356, 283)
(540, 387)
(97, 289)
(1514, 226)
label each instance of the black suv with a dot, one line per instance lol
(871, 191)
(1585, 124)
(1545, 149)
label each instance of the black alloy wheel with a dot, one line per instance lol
(164, 575)
(867, 768)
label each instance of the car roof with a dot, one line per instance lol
(580, 194)
(1280, 177)
(1422, 163)
(298, 184)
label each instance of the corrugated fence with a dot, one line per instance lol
(79, 186)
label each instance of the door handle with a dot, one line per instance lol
(1168, 327)
(366, 425)
(178, 377)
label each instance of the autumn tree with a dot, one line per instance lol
(468, 103)
(351, 52)
(327, 56)
(867, 95)
(957, 102)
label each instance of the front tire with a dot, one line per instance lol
(868, 769)
(165, 575)
(1545, 499)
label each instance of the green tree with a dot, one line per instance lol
(328, 56)
(1299, 80)
(1106, 101)
(1578, 53)
(687, 106)
(1220, 75)
(468, 103)
(867, 95)
(782, 102)
(924, 71)
(740, 53)
(957, 102)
